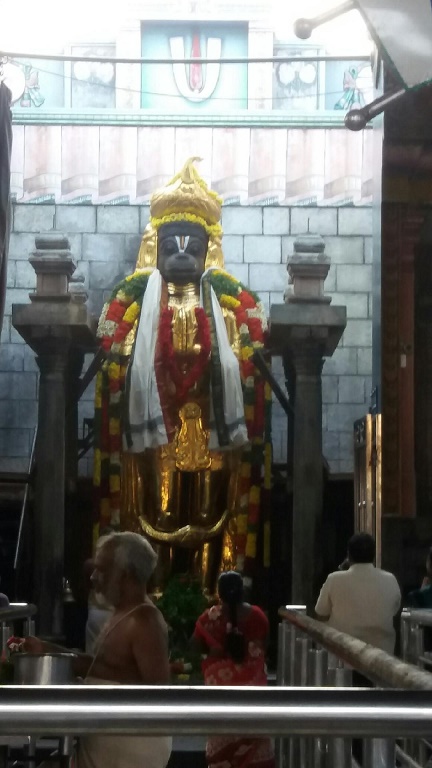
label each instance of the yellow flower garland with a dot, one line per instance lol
(229, 302)
(132, 312)
(213, 230)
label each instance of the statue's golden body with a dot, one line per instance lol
(178, 358)
(183, 494)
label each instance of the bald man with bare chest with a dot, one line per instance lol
(132, 649)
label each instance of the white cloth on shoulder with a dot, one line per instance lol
(146, 421)
(233, 404)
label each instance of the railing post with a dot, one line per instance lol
(29, 626)
(417, 642)
(291, 675)
(317, 679)
(289, 743)
(411, 639)
(405, 633)
(30, 752)
(378, 753)
(286, 637)
(305, 644)
(65, 751)
(283, 632)
(318, 667)
(6, 633)
(292, 678)
(339, 750)
(304, 743)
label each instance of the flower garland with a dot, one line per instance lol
(254, 499)
(184, 382)
(117, 321)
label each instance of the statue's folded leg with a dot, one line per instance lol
(189, 516)
(162, 571)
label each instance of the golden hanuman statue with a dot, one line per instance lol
(182, 414)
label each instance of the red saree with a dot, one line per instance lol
(219, 669)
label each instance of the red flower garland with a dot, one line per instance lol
(116, 310)
(184, 382)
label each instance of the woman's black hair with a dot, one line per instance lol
(230, 589)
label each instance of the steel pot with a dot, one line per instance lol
(44, 668)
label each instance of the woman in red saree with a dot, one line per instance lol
(234, 635)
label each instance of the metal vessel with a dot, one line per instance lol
(44, 668)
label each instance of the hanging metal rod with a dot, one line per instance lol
(357, 119)
(236, 60)
(303, 28)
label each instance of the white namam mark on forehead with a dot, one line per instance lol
(182, 241)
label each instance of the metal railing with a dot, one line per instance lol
(414, 649)
(170, 711)
(156, 711)
(314, 725)
(310, 653)
(16, 612)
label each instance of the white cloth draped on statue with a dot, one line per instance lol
(146, 422)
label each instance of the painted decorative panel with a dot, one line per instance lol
(39, 85)
(93, 83)
(298, 85)
(175, 87)
(198, 93)
(348, 85)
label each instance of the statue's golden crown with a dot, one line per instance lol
(187, 198)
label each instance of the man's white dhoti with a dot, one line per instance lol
(100, 751)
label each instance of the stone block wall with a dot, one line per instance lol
(257, 243)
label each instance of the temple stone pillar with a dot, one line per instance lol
(57, 327)
(305, 330)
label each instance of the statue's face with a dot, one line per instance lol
(182, 251)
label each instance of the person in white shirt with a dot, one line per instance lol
(363, 600)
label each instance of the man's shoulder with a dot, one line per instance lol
(334, 580)
(144, 619)
(148, 615)
(337, 576)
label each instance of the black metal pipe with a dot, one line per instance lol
(260, 363)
